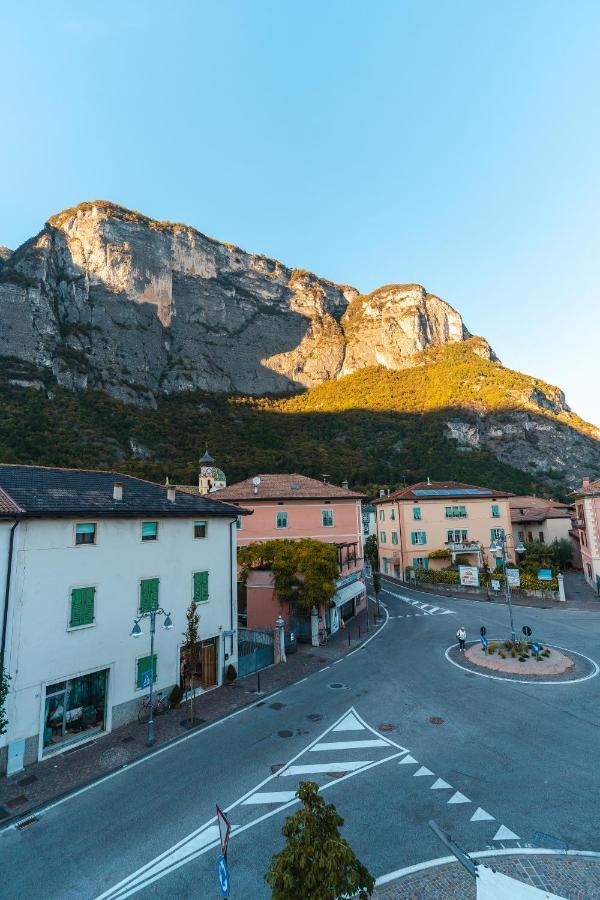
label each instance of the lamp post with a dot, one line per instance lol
(499, 547)
(137, 632)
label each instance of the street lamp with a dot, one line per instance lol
(137, 632)
(499, 549)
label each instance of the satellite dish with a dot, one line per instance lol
(256, 480)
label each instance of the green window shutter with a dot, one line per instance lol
(495, 511)
(416, 512)
(426, 563)
(143, 665)
(148, 594)
(200, 587)
(413, 537)
(82, 607)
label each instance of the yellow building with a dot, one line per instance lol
(417, 522)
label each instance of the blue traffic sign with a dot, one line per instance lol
(535, 648)
(484, 642)
(223, 875)
(146, 679)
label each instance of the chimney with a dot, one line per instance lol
(585, 482)
(117, 490)
(428, 480)
(170, 491)
(381, 492)
(345, 483)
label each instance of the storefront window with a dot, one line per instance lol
(75, 709)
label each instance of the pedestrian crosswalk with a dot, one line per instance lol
(417, 607)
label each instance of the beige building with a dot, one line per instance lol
(538, 519)
(417, 522)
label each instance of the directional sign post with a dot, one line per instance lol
(146, 679)
(224, 830)
(483, 631)
(536, 648)
(484, 642)
(527, 630)
(223, 874)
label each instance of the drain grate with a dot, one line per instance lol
(25, 823)
(276, 705)
(436, 720)
(386, 726)
(285, 733)
(24, 782)
(337, 686)
(277, 768)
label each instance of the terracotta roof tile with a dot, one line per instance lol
(8, 505)
(285, 487)
(444, 490)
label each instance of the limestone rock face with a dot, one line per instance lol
(110, 299)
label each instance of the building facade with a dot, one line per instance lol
(587, 503)
(83, 555)
(431, 524)
(538, 519)
(294, 506)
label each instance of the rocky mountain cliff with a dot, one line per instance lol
(107, 298)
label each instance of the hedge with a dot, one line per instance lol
(450, 576)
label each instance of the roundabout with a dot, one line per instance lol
(560, 666)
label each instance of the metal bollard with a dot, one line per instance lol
(258, 682)
(348, 637)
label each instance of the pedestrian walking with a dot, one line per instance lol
(461, 636)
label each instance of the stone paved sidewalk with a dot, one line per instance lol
(573, 877)
(46, 780)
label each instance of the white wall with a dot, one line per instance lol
(47, 564)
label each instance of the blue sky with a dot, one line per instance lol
(455, 144)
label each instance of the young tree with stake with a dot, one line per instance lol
(191, 650)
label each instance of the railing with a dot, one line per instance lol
(463, 546)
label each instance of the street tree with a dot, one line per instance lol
(371, 551)
(562, 552)
(191, 650)
(316, 862)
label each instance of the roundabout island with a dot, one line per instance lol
(523, 662)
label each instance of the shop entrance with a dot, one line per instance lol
(74, 709)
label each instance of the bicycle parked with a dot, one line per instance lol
(160, 705)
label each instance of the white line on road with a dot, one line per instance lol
(349, 745)
(270, 797)
(315, 768)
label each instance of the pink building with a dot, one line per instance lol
(294, 506)
(587, 499)
(461, 520)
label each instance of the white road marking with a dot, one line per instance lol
(349, 723)
(458, 798)
(315, 768)
(591, 674)
(350, 745)
(480, 815)
(408, 759)
(423, 771)
(270, 797)
(505, 834)
(440, 785)
(428, 608)
(434, 609)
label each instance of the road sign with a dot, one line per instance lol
(224, 829)
(513, 576)
(146, 679)
(544, 574)
(535, 648)
(482, 631)
(495, 584)
(526, 630)
(484, 642)
(223, 875)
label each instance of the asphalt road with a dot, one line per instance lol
(507, 761)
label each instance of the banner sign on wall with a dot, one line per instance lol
(469, 576)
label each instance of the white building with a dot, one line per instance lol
(82, 555)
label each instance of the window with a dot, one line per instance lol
(200, 594)
(416, 513)
(393, 515)
(521, 535)
(457, 535)
(238, 522)
(200, 529)
(418, 537)
(327, 518)
(149, 531)
(144, 666)
(495, 511)
(148, 594)
(421, 562)
(541, 535)
(282, 520)
(456, 512)
(382, 537)
(394, 537)
(530, 536)
(85, 533)
(381, 514)
(82, 607)
(497, 534)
